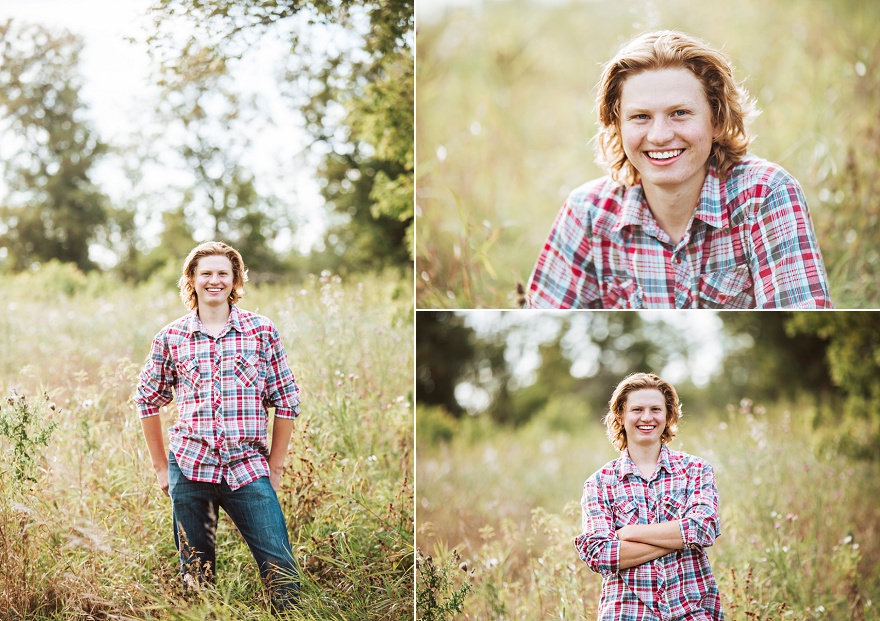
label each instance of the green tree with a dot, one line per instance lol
(357, 97)
(588, 356)
(582, 359)
(221, 202)
(175, 242)
(53, 209)
(767, 360)
(444, 355)
(852, 357)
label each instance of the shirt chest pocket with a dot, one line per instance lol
(247, 371)
(626, 512)
(620, 293)
(673, 507)
(188, 376)
(727, 289)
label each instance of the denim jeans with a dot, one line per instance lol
(256, 513)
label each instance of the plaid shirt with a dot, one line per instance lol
(677, 586)
(224, 387)
(750, 243)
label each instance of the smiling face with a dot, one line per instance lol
(666, 128)
(213, 280)
(644, 417)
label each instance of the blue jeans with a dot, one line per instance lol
(256, 513)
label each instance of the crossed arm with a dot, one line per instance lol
(640, 543)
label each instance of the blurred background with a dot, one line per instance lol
(506, 118)
(509, 409)
(132, 131)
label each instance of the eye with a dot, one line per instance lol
(680, 113)
(639, 117)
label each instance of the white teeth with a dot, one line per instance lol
(664, 155)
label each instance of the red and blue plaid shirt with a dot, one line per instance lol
(749, 244)
(224, 387)
(677, 586)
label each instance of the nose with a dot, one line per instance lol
(660, 132)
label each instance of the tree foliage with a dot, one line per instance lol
(834, 357)
(445, 353)
(207, 125)
(584, 357)
(53, 209)
(852, 356)
(356, 94)
(772, 361)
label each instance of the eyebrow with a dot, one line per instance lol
(642, 110)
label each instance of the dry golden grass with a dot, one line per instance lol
(90, 538)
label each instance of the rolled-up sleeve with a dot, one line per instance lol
(598, 545)
(282, 392)
(699, 522)
(155, 381)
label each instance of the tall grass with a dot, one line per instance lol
(800, 536)
(91, 536)
(505, 120)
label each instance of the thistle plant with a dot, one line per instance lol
(24, 431)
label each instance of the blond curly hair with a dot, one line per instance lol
(729, 101)
(613, 420)
(207, 249)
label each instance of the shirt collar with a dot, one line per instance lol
(234, 322)
(635, 211)
(709, 209)
(628, 466)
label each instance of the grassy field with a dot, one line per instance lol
(506, 117)
(800, 521)
(90, 537)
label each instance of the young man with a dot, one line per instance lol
(685, 218)
(649, 514)
(226, 367)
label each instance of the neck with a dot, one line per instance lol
(645, 457)
(674, 207)
(214, 315)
